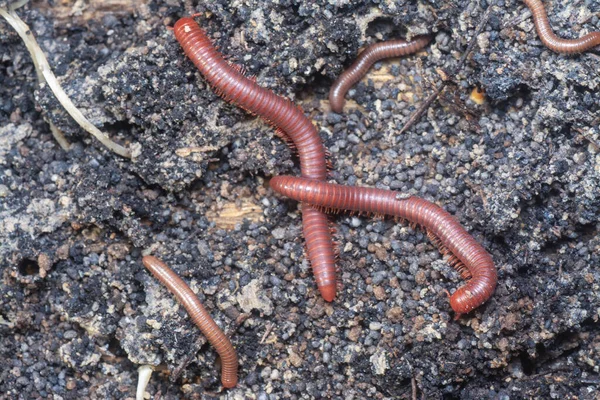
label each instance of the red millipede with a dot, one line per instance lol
(369, 56)
(553, 42)
(467, 256)
(230, 83)
(198, 314)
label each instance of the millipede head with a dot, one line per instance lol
(184, 21)
(462, 301)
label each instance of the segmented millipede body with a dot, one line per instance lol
(227, 80)
(198, 314)
(553, 42)
(369, 56)
(466, 255)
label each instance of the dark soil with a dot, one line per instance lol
(521, 171)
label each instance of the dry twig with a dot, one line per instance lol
(45, 74)
(419, 112)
